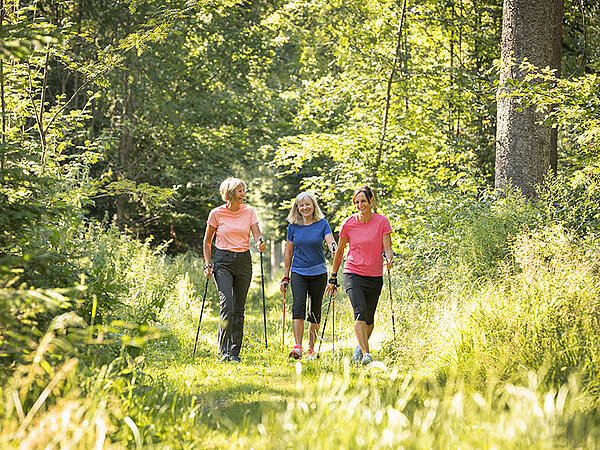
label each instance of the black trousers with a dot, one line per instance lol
(313, 287)
(233, 274)
(364, 295)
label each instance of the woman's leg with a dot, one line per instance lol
(299, 286)
(363, 333)
(241, 283)
(372, 291)
(298, 327)
(364, 295)
(313, 333)
(316, 289)
(224, 282)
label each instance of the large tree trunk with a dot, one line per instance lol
(2, 101)
(525, 150)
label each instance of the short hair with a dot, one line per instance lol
(295, 217)
(228, 188)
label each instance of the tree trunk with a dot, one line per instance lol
(525, 150)
(3, 156)
(126, 138)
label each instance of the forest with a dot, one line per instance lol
(475, 122)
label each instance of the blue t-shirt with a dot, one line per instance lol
(309, 251)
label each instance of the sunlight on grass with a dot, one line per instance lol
(460, 374)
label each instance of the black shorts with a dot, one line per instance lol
(311, 287)
(364, 295)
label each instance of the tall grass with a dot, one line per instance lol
(497, 346)
(387, 410)
(543, 312)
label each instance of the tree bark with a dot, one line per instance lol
(525, 149)
(3, 156)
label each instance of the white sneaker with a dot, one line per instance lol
(357, 355)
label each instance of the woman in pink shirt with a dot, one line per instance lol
(232, 223)
(368, 234)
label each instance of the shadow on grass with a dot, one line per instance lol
(241, 406)
(231, 405)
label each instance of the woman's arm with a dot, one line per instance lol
(387, 249)
(330, 241)
(339, 254)
(337, 262)
(209, 234)
(257, 235)
(287, 264)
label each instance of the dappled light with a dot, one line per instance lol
(308, 224)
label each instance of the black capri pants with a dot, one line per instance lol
(233, 273)
(364, 295)
(311, 287)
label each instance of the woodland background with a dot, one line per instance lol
(121, 118)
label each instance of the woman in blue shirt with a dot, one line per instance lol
(305, 257)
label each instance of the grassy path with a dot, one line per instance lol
(236, 401)
(268, 401)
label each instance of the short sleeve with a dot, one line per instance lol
(290, 233)
(386, 228)
(253, 218)
(326, 228)
(344, 229)
(212, 219)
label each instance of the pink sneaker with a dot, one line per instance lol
(296, 352)
(311, 355)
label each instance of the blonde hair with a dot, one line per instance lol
(228, 188)
(295, 217)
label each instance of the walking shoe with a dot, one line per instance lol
(296, 352)
(367, 359)
(224, 357)
(235, 358)
(311, 355)
(357, 355)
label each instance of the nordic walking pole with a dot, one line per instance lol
(391, 301)
(262, 281)
(324, 324)
(283, 325)
(333, 326)
(200, 321)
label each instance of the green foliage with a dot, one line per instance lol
(168, 400)
(541, 316)
(457, 236)
(572, 105)
(133, 112)
(439, 68)
(25, 314)
(388, 410)
(492, 287)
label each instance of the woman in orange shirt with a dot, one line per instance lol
(232, 223)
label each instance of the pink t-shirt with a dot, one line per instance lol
(233, 227)
(366, 244)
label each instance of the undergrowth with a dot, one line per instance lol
(495, 344)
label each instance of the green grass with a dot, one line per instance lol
(442, 384)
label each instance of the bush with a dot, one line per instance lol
(542, 314)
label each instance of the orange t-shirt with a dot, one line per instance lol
(233, 227)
